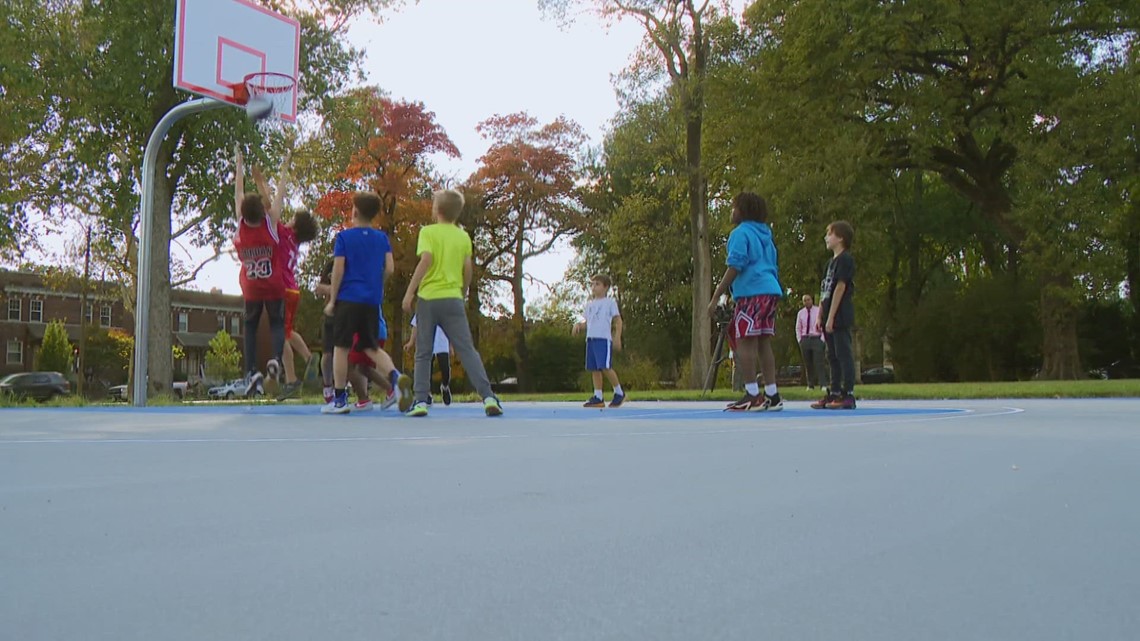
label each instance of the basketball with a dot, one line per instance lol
(258, 108)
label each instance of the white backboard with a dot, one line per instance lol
(218, 42)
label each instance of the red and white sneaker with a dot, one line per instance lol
(391, 399)
(362, 406)
(747, 404)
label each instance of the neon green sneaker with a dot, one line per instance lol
(492, 407)
(419, 409)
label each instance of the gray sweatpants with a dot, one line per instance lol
(451, 315)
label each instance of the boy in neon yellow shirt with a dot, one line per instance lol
(437, 291)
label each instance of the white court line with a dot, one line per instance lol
(968, 413)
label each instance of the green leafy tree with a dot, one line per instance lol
(975, 94)
(55, 351)
(223, 360)
(109, 355)
(679, 42)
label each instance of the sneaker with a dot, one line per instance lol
(419, 409)
(404, 394)
(771, 404)
(617, 400)
(254, 384)
(362, 406)
(746, 404)
(445, 392)
(822, 403)
(273, 369)
(389, 400)
(492, 407)
(846, 402)
(594, 402)
(329, 392)
(335, 408)
(289, 390)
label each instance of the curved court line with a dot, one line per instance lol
(960, 414)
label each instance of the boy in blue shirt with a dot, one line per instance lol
(362, 259)
(753, 276)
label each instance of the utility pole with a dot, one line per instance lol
(80, 364)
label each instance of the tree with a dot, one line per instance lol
(108, 355)
(383, 146)
(55, 353)
(223, 360)
(528, 185)
(972, 93)
(678, 33)
(637, 229)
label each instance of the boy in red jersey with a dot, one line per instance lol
(257, 242)
(301, 229)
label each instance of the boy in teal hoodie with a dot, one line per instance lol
(753, 278)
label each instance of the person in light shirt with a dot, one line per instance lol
(811, 343)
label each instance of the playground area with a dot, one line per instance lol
(933, 520)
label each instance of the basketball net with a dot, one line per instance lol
(275, 88)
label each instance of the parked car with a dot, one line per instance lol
(40, 386)
(118, 393)
(874, 375)
(789, 375)
(229, 391)
(507, 385)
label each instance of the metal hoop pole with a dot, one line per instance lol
(146, 222)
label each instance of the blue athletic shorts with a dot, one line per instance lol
(597, 354)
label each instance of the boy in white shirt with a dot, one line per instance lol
(441, 353)
(601, 312)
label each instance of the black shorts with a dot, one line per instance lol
(357, 319)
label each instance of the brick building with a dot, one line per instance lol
(28, 304)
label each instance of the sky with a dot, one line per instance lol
(469, 60)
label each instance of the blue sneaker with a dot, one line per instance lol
(617, 400)
(338, 406)
(594, 402)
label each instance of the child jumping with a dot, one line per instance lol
(257, 243)
(437, 292)
(753, 276)
(837, 305)
(298, 231)
(601, 313)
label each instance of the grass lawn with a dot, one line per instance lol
(896, 391)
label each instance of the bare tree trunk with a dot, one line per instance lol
(522, 355)
(160, 361)
(1132, 271)
(700, 353)
(1060, 352)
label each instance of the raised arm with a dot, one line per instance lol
(266, 192)
(239, 180)
(283, 178)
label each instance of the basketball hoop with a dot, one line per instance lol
(274, 88)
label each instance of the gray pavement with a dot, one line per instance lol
(978, 520)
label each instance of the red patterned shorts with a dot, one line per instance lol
(755, 316)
